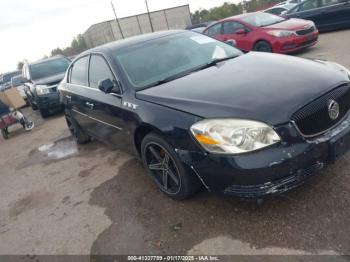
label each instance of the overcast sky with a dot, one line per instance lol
(29, 29)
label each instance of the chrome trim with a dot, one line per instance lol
(98, 120)
(320, 133)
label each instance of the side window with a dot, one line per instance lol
(308, 5)
(78, 72)
(214, 30)
(99, 70)
(330, 2)
(276, 11)
(231, 27)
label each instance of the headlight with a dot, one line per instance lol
(281, 33)
(42, 90)
(233, 136)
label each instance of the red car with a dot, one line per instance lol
(265, 32)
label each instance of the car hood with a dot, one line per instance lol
(50, 80)
(256, 86)
(290, 24)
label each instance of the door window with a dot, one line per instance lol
(214, 30)
(312, 4)
(99, 70)
(329, 2)
(232, 27)
(78, 72)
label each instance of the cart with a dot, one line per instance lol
(9, 119)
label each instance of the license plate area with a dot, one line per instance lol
(339, 146)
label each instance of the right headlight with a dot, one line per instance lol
(281, 33)
(233, 136)
(42, 90)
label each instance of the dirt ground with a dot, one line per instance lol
(60, 198)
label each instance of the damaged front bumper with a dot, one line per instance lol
(270, 171)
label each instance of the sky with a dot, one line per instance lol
(30, 29)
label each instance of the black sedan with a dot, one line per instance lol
(326, 14)
(200, 112)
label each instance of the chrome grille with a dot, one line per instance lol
(313, 119)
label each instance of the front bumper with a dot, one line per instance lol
(271, 171)
(49, 101)
(294, 43)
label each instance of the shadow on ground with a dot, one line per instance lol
(144, 221)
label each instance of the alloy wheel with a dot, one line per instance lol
(163, 168)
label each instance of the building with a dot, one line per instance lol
(108, 31)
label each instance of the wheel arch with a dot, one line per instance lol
(141, 132)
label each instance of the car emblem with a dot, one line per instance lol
(333, 109)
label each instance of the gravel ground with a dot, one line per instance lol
(60, 198)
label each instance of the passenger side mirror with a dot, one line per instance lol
(241, 32)
(109, 86)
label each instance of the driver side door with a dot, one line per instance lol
(233, 30)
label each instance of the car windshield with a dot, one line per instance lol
(6, 78)
(171, 57)
(48, 68)
(262, 19)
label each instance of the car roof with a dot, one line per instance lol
(46, 59)
(239, 16)
(117, 45)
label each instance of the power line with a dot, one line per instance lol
(149, 16)
(117, 20)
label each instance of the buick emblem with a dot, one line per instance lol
(333, 109)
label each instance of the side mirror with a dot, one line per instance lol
(231, 42)
(241, 32)
(109, 86)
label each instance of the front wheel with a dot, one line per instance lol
(168, 172)
(263, 46)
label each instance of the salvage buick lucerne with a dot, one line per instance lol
(200, 112)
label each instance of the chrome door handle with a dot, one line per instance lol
(90, 105)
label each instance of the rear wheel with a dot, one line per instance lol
(263, 46)
(5, 133)
(166, 169)
(79, 135)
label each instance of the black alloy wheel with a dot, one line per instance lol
(263, 46)
(168, 172)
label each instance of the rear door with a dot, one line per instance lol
(78, 99)
(215, 31)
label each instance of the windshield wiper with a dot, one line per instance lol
(182, 74)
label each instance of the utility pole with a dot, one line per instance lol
(149, 16)
(117, 20)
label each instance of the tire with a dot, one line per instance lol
(79, 135)
(168, 172)
(5, 133)
(33, 106)
(44, 113)
(263, 46)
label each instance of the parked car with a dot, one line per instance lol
(17, 81)
(5, 79)
(199, 29)
(200, 112)
(41, 80)
(265, 32)
(276, 10)
(204, 24)
(289, 3)
(326, 14)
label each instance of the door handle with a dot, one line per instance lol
(90, 105)
(69, 98)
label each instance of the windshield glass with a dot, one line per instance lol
(48, 68)
(262, 19)
(170, 56)
(6, 78)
